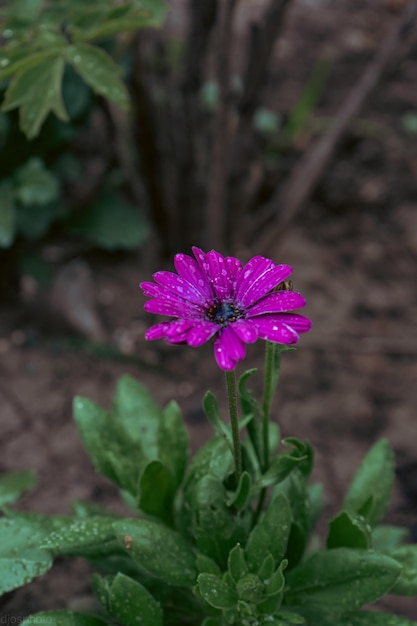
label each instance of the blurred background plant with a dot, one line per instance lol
(108, 129)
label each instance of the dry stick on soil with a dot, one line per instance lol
(263, 38)
(286, 202)
(146, 139)
(216, 201)
(203, 18)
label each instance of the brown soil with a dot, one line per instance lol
(352, 380)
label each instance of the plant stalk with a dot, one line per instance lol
(270, 384)
(232, 397)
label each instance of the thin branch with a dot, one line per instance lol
(216, 201)
(203, 18)
(146, 139)
(286, 202)
(262, 39)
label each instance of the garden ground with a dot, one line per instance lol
(351, 381)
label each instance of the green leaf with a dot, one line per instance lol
(206, 565)
(270, 535)
(113, 453)
(217, 592)
(350, 531)
(354, 618)
(7, 214)
(239, 499)
(267, 568)
(162, 552)
(35, 184)
(211, 410)
(372, 485)
(172, 438)
(142, 14)
(99, 71)
(37, 91)
(157, 492)
(215, 527)
(14, 484)
(34, 221)
(87, 509)
(80, 534)
(111, 223)
(131, 603)
(250, 588)
(101, 589)
(236, 563)
(21, 559)
(386, 537)
(341, 579)
(282, 464)
(62, 618)
(285, 618)
(406, 584)
(135, 408)
(273, 592)
(214, 458)
(294, 487)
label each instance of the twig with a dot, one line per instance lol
(262, 39)
(203, 18)
(146, 138)
(216, 201)
(286, 202)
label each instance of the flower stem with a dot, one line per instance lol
(232, 397)
(272, 363)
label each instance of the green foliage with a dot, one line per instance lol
(21, 558)
(162, 552)
(128, 601)
(344, 578)
(111, 223)
(201, 549)
(63, 618)
(54, 59)
(370, 491)
(14, 484)
(42, 39)
(132, 445)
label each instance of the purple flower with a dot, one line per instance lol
(215, 296)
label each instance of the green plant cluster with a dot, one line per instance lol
(198, 548)
(54, 57)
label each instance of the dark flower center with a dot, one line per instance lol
(223, 313)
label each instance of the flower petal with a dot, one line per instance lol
(200, 333)
(176, 309)
(215, 265)
(180, 287)
(189, 269)
(273, 329)
(158, 331)
(298, 322)
(152, 290)
(259, 276)
(178, 330)
(245, 330)
(277, 302)
(221, 272)
(228, 349)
